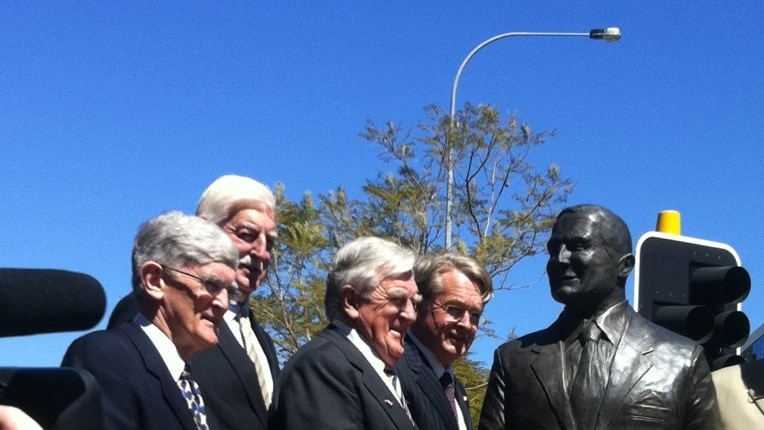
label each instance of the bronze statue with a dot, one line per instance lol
(600, 365)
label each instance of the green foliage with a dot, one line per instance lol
(503, 207)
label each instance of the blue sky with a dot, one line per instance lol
(112, 112)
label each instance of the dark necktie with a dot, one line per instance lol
(447, 382)
(193, 396)
(587, 389)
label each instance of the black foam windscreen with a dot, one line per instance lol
(48, 300)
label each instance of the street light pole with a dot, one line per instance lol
(612, 34)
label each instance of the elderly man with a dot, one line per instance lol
(184, 269)
(454, 291)
(344, 378)
(237, 375)
(600, 365)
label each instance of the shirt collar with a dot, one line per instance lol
(434, 363)
(610, 321)
(164, 346)
(362, 346)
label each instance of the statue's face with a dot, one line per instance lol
(583, 269)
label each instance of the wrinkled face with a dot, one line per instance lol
(583, 270)
(254, 234)
(448, 325)
(386, 315)
(193, 308)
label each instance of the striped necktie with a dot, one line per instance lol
(393, 378)
(193, 396)
(250, 342)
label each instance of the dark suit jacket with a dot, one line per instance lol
(424, 394)
(329, 384)
(658, 379)
(740, 390)
(138, 390)
(229, 382)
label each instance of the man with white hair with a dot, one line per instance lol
(236, 376)
(344, 378)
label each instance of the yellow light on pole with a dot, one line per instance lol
(669, 221)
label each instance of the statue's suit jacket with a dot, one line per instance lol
(740, 390)
(658, 380)
(424, 394)
(229, 383)
(138, 390)
(329, 384)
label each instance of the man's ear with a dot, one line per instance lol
(151, 280)
(626, 265)
(351, 301)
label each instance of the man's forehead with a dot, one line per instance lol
(576, 225)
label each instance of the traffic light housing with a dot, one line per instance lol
(694, 287)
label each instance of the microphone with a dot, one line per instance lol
(48, 300)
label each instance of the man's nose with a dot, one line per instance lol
(260, 248)
(409, 311)
(563, 255)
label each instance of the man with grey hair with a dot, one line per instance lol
(455, 290)
(237, 376)
(183, 272)
(344, 377)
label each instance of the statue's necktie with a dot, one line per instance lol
(588, 386)
(193, 396)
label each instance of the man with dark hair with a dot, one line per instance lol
(455, 290)
(600, 365)
(344, 378)
(183, 273)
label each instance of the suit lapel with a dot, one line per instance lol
(242, 366)
(463, 402)
(155, 366)
(267, 344)
(371, 379)
(430, 386)
(630, 362)
(547, 365)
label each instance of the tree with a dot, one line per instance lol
(503, 206)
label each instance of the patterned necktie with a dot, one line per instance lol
(447, 382)
(193, 396)
(393, 378)
(249, 339)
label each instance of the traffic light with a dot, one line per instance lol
(694, 287)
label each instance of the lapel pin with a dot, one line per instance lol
(389, 402)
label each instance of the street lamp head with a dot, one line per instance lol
(609, 35)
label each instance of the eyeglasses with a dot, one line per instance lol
(212, 286)
(456, 313)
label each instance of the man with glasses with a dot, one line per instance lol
(344, 378)
(237, 376)
(183, 273)
(455, 290)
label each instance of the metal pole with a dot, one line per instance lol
(611, 34)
